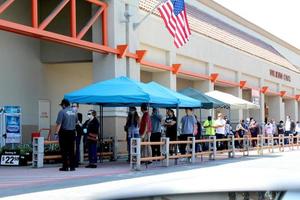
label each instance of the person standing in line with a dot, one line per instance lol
(297, 129)
(240, 131)
(220, 131)
(145, 132)
(91, 129)
(268, 130)
(79, 132)
(188, 128)
(65, 127)
(254, 130)
(199, 135)
(209, 126)
(156, 120)
(280, 130)
(132, 128)
(287, 128)
(171, 128)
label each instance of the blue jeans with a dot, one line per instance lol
(133, 132)
(92, 148)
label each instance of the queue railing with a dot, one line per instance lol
(246, 144)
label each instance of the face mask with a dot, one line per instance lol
(132, 112)
(75, 109)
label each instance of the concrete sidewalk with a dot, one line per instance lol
(23, 180)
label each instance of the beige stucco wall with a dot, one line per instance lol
(64, 78)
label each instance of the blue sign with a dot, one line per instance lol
(12, 109)
(13, 124)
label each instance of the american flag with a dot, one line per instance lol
(174, 15)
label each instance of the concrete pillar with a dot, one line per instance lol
(205, 86)
(291, 108)
(259, 115)
(167, 79)
(236, 115)
(108, 66)
(276, 107)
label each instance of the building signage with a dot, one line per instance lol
(44, 114)
(280, 75)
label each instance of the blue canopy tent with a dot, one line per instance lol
(207, 102)
(184, 101)
(121, 92)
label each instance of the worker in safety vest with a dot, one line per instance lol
(209, 126)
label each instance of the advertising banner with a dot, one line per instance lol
(2, 139)
(12, 124)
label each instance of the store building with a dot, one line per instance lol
(46, 52)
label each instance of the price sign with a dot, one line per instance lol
(10, 159)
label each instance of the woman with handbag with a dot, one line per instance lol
(91, 129)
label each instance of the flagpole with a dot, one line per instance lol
(136, 25)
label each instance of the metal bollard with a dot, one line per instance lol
(270, 143)
(135, 154)
(260, 145)
(165, 150)
(193, 149)
(281, 142)
(291, 141)
(231, 147)
(212, 148)
(246, 145)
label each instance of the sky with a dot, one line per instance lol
(279, 17)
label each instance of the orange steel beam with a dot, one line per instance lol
(5, 5)
(176, 68)
(289, 96)
(35, 17)
(214, 77)
(55, 37)
(282, 93)
(195, 75)
(123, 49)
(104, 27)
(242, 84)
(48, 19)
(231, 83)
(264, 89)
(156, 66)
(98, 3)
(73, 18)
(90, 23)
(140, 55)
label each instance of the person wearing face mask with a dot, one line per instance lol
(65, 127)
(156, 119)
(132, 128)
(91, 129)
(79, 132)
(220, 130)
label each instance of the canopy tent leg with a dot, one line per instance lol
(101, 133)
(177, 131)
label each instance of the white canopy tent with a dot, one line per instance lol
(234, 102)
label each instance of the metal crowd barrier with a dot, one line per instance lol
(260, 144)
(107, 150)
